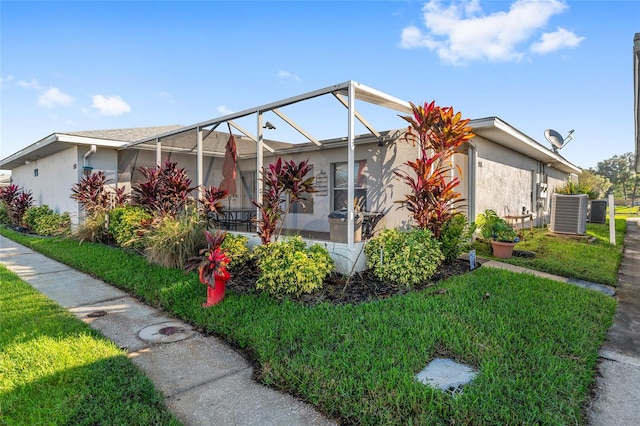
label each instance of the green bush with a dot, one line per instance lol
(126, 224)
(235, 247)
(288, 266)
(455, 237)
(4, 214)
(171, 241)
(404, 257)
(44, 221)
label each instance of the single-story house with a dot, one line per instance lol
(502, 168)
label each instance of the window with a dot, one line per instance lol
(340, 179)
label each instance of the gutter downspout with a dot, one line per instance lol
(471, 187)
(89, 153)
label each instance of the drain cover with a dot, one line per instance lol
(96, 314)
(166, 332)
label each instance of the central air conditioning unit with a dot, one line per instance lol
(598, 213)
(569, 214)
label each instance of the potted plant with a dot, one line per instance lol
(212, 268)
(502, 236)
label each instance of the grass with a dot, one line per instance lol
(56, 370)
(570, 256)
(534, 341)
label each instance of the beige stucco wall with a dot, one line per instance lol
(507, 182)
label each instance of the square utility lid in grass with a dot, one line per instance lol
(446, 374)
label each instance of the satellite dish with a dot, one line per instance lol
(556, 139)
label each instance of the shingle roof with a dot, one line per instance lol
(125, 135)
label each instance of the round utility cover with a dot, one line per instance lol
(166, 332)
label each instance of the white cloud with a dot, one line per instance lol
(33, 84)
(460, 32)
(54, 97)
(224, 110)
(111, 105)
(550, 42)
(286, 75)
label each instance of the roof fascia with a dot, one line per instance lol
(516, 137)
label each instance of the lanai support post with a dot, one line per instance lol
(200, 177)
(158, 152)
(350, 165)
(259, 162)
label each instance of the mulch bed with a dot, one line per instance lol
(338, 289)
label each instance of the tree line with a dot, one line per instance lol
(615, 175)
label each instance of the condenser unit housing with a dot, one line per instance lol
(569, 214)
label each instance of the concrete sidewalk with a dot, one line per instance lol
(204, 381)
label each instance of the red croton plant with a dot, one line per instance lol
(212, 261)
(439, 133)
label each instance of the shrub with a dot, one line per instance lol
(126, 225)
(290, 267)
(171, 241)
(455, 237)
(4, 214)
(404, 257)
(44, 221)
(235, 247)
(94, 228)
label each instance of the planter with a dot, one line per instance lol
(216, 294)
(501, 249)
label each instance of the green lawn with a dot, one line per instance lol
(56, 370)
(534, 341)
(594, 260)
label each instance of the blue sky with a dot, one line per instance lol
(555, 64)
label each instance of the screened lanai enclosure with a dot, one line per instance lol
(334, 128)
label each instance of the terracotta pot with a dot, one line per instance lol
(501, 249)
(216, 294)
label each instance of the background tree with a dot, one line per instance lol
(619, 170)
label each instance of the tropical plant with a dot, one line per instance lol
(171, 241)
(439, 133)
(212, 261)
(280, 180)
(212, 199)
(455, 237)
(576, 188)
(404, 257)
(127, 225)
(496, 228)
(9, 193)
(165, 191)
(4, 214)
(288, 266)
(93, 192)
(19, 206)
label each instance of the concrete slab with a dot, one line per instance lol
(124, 319)
(237, 400)
(72, 288)
(24, 264)
(617, 400)
(176, 367)
(446, 374)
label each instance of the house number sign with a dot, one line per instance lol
(322, 184)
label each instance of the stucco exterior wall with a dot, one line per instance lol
(52, 185)
(509, 182)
